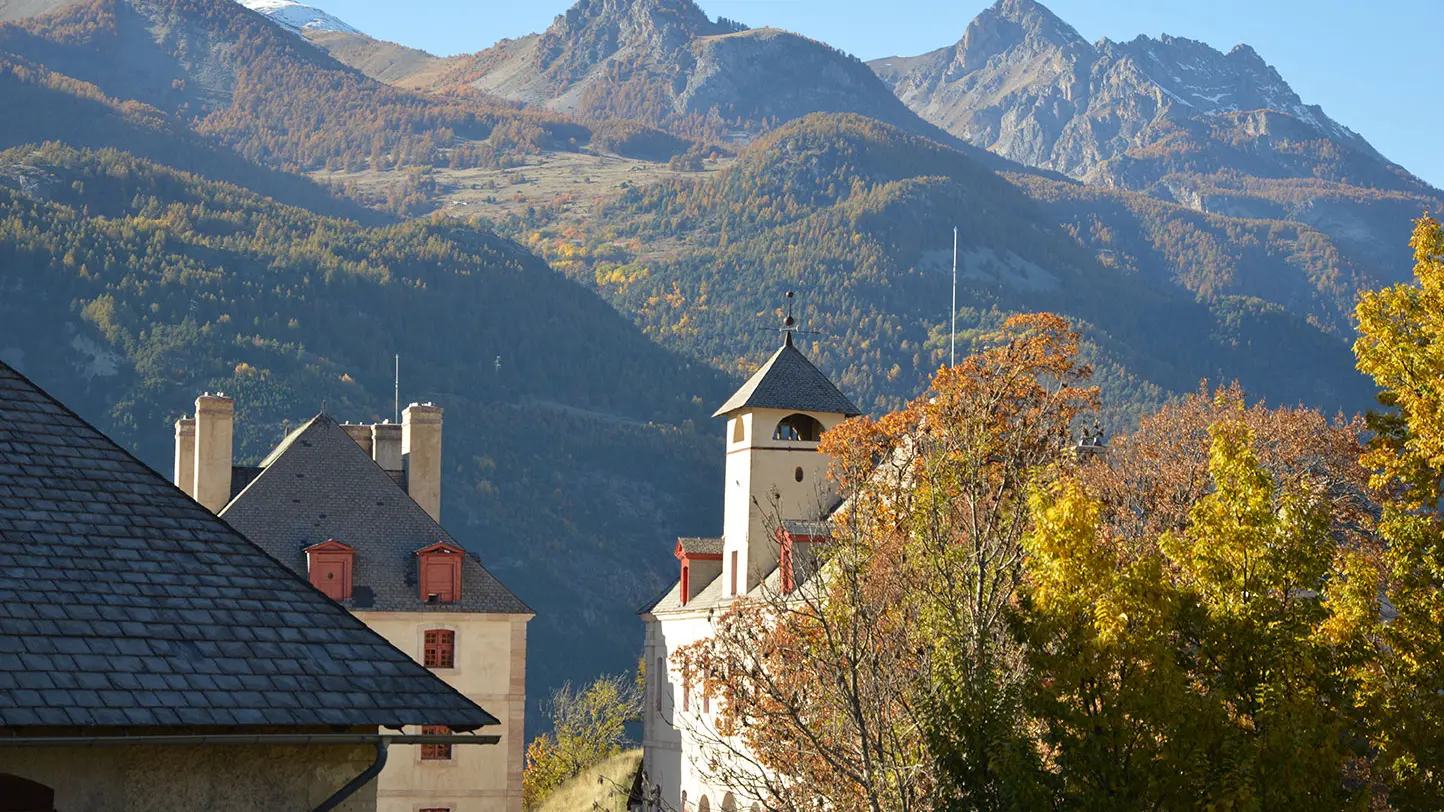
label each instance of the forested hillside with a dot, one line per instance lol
(574, 447)
(228, 206)
(858, 216)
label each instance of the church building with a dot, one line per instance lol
(356, 509)
(776, 496)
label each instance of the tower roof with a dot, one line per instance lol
(789, 381)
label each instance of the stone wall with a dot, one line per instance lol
(215, 778)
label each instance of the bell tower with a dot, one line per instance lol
(774, 472)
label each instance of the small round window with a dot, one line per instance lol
(797, 475)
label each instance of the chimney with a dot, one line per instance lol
(361, 433)
(386, 447)
(185, 455)
(215, 418)
(421, 446)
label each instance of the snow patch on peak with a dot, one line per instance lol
(298, 18)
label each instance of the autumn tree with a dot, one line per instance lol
(1401, 345)
(890, 681)
(1193, 621)
(588, 727)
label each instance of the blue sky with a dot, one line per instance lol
(1376, 67)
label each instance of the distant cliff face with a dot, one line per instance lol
(1023, 83)
(665, 62)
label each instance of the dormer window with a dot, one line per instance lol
(440, 566)
(328, 565)
(704, 554)
(797, 427)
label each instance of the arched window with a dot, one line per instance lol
(703, 806)
(798, 427)
(684, 800)
(729, 803)
(23, 795)
(439, 649)
(739, 429)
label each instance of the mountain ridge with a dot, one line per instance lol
(1023, 83)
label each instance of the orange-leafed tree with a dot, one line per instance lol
(887, 679)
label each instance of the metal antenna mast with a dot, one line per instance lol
(396, 418)
(953, 337)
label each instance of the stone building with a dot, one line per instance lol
(775, 496)
(153, 659)
(355, 510)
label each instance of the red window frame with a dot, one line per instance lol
(438, 649)
(440, 572)
(435, 752)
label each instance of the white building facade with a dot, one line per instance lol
(774, 477)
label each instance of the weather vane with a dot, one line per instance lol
(789, 324)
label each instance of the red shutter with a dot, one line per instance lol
(435, 752)
(441, 572)
(329, 568)
(439, 649)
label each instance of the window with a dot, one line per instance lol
(328, 565)
(686, 581)
(734, 573)
(686, 693)
(439, 648)
(739, 429)
(659, 681)
(797, 475)
(435, 752)
(440, 566)
(798, 427)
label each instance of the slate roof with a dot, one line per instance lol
(318, 484)
(123, 602)
(696, 546)
(789, 381)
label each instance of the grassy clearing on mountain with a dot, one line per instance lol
(603, 787)
(568, 182)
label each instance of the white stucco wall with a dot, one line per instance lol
(491, 671)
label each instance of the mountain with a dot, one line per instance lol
(664, 62)
(298, 18)
(858, 215)
(575, 448)
(383, 61)
(1172, 117)
(188, 69)
(21, 9)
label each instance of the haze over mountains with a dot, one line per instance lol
(229, 205)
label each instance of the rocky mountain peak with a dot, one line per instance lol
(1034, 20)
(1023, 83)
(1011, 28)
(593, 30)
